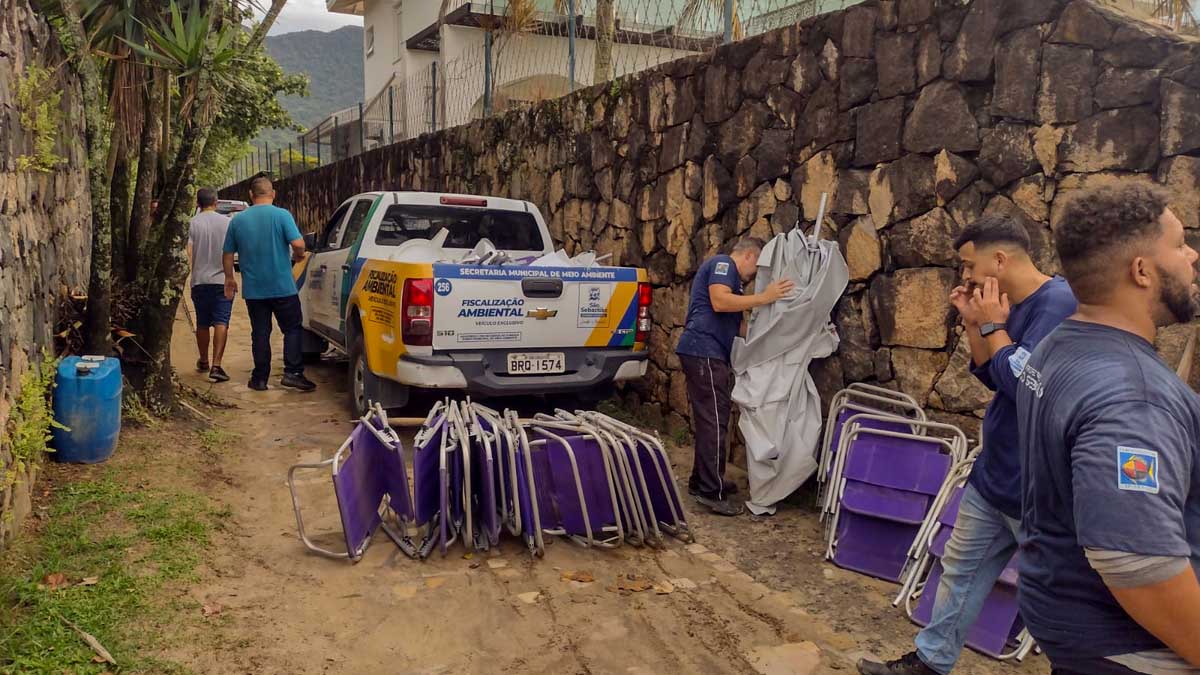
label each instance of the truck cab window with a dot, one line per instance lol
(507, 230)
(329, 233)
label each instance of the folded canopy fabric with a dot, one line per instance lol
(780, 407)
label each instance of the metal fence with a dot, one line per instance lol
(496, 55)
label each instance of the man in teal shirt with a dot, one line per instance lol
(266, 240)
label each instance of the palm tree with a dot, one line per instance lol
(606, 25)
(693, 9)
(1178, 14)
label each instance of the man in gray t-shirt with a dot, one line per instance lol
(206, 241)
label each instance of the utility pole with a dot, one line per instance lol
(571, 40)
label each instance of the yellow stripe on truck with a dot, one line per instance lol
(377, 296)
(624, 293)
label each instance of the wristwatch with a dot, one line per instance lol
(989, 328)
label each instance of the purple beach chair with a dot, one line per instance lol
(484, 459)
(576, 484)
(369, 482)
(884, 485)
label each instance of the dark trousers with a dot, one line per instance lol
(288, 316)
(709, 387)
(1093, 666)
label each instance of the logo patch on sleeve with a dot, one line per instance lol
(1137, 470)
(1017, 361)
(722, 268)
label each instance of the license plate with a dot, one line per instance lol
(539, 363)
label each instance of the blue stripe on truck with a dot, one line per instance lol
(516, 273)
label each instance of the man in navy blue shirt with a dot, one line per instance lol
(1110, 472)
(714, 319)
(1007, 306)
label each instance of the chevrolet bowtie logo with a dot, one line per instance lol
(541, 313)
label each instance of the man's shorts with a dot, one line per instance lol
(212, 307)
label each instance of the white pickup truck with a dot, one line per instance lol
(386, 283)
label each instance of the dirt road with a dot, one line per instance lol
(288, 611)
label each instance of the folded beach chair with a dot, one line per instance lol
(884, 483)
(485, 461)
(369, 483)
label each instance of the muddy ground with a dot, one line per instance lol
(752, 596)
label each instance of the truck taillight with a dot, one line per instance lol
(416, 313)
(645, 295)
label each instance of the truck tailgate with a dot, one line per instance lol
(521, 307)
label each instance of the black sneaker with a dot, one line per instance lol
(201, 366)
(257, 386)
(729, 487)
(298, 382)
(909, 664)
(218, 374)
(721, 507)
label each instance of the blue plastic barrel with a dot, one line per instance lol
(87, 400)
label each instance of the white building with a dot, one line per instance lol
(402, 43)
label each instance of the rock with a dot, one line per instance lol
(621, 215)
(952, 174)
(853, 193)
(854, 350)
(897, 65)
(718, 188)
(1046, 141)
(722, 93)
(805, 74)
(1018, 68)
(823, 122)
(783, 190)
(1126, 87)
(1181, 175)
(858, 81)
(652, 201)
(742, 132)
(756, 87)
(772, 154)
(604, 184)
(1114, 139)
(966, 207)
(889, 18)
(1066, 88)
(786, 104)
(902, 190)
(925, 240)
(745, 176)
(678, 399)
(1180, 118)
(1082, 24)
(916, 370)
(880, 127)
(830, 61)
(912, 307)
(913, 12)
(883, 364)
(557, 189)
(970, 57)
(1007, 154)
(818, 175)
(1137, 44)
(1023, 13)
(862, 249)
(858, 32)
(785, 216)
(959, 390)
(673, 153)
(694, 180)
(929, 57)
(1029, 195)
(941, 120)
(1171, 343)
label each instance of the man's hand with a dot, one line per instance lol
(778, 290)
(231, 288)
(960, 298)
(989, 303)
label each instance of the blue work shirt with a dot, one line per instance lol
(997, 472)
(707, 332)
(261, 236)
(1108, 437)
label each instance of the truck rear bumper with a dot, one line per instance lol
(484, 372)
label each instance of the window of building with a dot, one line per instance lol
(369, 40)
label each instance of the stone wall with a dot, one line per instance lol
(45, 230)
(916, 116)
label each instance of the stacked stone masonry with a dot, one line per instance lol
(45, 227)
(916, 116)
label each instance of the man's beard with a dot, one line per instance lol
(1179, 298)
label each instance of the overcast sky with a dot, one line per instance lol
(310, 15)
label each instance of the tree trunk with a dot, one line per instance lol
(97, 334)
(605, 28)
(147, 173)
(119, 206)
